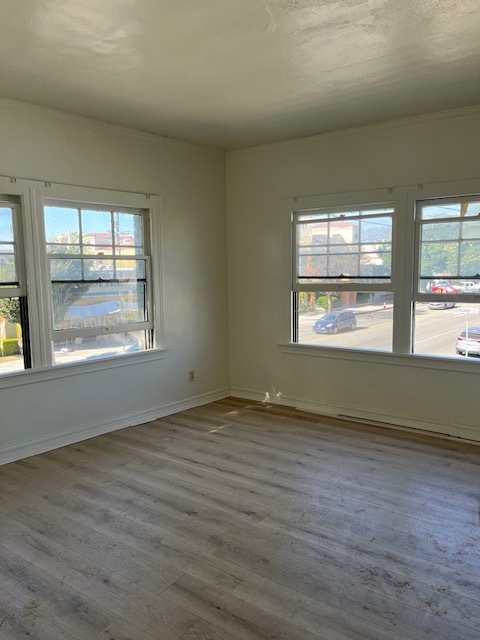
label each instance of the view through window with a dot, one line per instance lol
(447, 318)
(345, 291)
(13, 319)
(99, 282)
(343, 286)
(88, 267)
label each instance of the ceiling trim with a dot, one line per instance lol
(376, 126)
(36, 109)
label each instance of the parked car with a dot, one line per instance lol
(335, 322)
(445, 286)
(441, 305)
(468, 286)
(470, 345)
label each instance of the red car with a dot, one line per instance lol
(446, 287)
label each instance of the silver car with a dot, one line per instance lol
(469, 345)
(441, 305)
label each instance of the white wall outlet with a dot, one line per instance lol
(191, 376)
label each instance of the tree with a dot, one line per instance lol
(10, 310)
(9, 307)
(64, 295)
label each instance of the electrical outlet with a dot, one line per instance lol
(191, 376)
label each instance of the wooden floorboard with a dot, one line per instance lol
(243, 521)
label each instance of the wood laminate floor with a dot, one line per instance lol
(242, 521)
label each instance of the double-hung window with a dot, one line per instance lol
(447, 276)
(342, 267)
(14, 338)
(398, 275)
(89, 261)
(99, 280)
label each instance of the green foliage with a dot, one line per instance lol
(327, 301)
(314, 301)
(437, 259)
(64, 295)
(9, 347)
(10, 309)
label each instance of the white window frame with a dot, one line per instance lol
(20, 290)
(323, 287)
(405, 252)
(33, 268)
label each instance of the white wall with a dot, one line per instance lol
(39, 143)
(424, 150)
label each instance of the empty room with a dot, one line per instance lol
(240, 320)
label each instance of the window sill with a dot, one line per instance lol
(378, 357)
(54, 372)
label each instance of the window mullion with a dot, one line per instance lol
(404, 270)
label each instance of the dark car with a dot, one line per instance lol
(335, 322)
(471, 345)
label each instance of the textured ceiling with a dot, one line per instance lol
(237, 73)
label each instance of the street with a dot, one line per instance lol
(435, 332)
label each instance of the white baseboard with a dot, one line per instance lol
(450, 430)
(56, 440)
(404, 422)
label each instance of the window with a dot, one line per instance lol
(88, 257)
(99, 281)
(343, 271)
(392, 271)
(447, 277)
(14, 340)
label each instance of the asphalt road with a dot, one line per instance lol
(435, 332)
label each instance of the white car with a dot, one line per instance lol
(468, 342)
(467, 286)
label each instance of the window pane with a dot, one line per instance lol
(127, 269)
(447, 210)
(61, 224)
(96, 347)
(97, 227)
(8, 271)
(113, 269)
(6, 224)
(97, 250)
(451, 210)
(99, 304)
(11, 342)
(441, 231)
(356, 320)
(439, 259)
(344, 249)
(469, 259)
(98, 270)
(65, 269)
(446, 328)
(450, 250)
(471, 229)
(67, 249)
(128, 229)
(376, 230)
